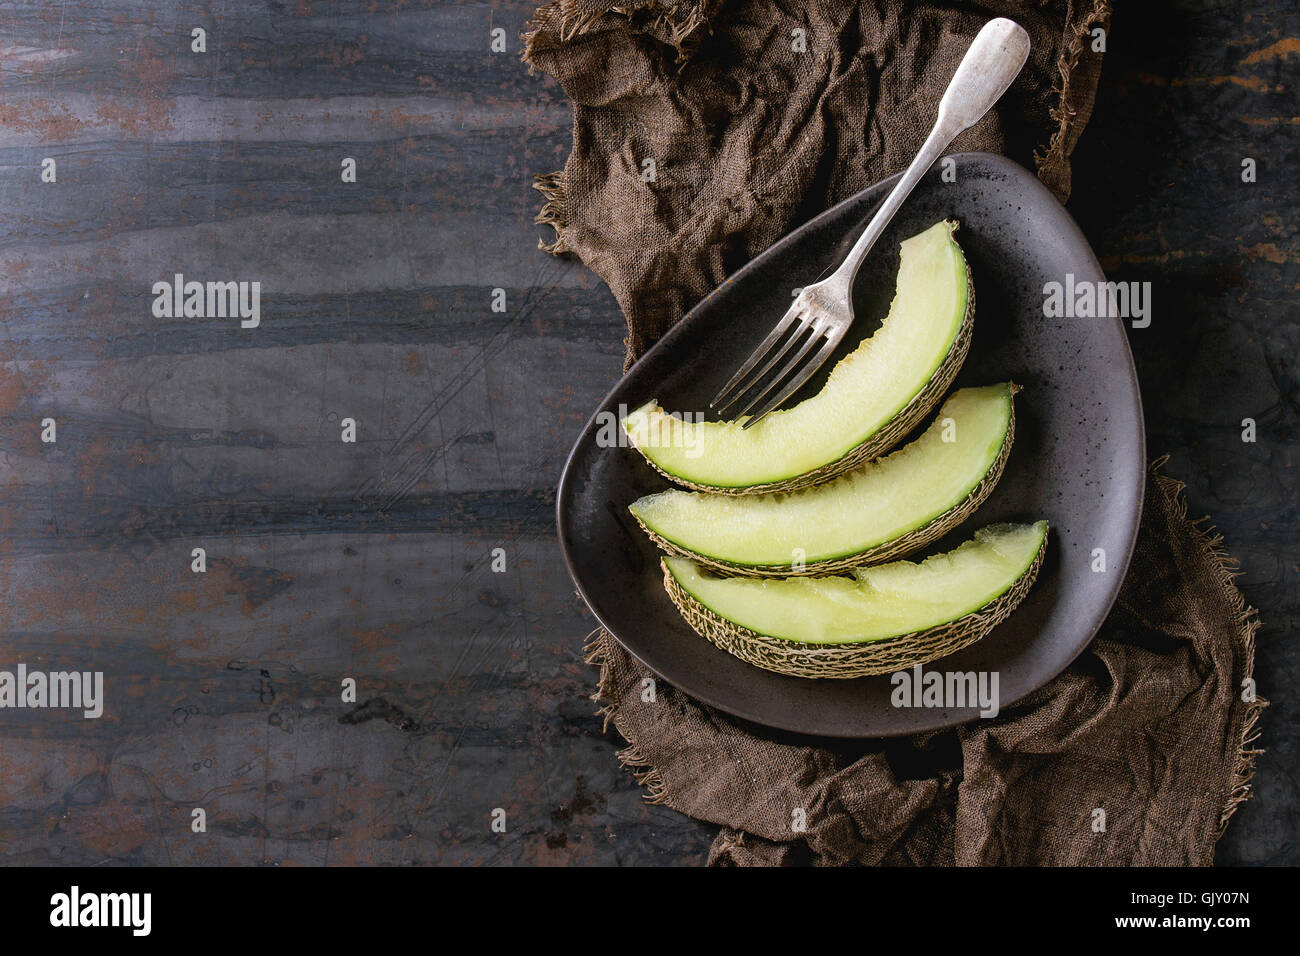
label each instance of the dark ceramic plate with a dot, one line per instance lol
(1078, 458)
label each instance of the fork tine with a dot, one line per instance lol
(822, 355)
(818, 330)
(798, 335)
(756, 356)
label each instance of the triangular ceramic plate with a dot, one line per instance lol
(1078, 459)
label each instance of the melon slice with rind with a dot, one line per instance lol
(873, 397)
(878, 620)
(883, 510)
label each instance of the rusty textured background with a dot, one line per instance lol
(372, 560)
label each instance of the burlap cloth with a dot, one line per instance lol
(750, 135)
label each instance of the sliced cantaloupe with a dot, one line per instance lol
(872, 398)
(880, 511)
(877, 620)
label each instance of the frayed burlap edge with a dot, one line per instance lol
(555, 209)
(596, 653)
(678, 22)
(1237, 788)
(683, 23)
(1226, 570)
(1076, 87)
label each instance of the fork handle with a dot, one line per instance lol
(993, 61)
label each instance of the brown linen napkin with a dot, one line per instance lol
(754, 118)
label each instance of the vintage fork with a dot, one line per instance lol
(822, 312)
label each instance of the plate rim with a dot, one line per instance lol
(943, 719)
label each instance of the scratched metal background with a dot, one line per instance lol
(372, 560)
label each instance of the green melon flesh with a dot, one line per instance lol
(888, 499)
(877, 603)
(864, 392)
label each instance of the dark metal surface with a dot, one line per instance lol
(326, 560)
(372, 560)
(1078, 459)
(1188, 91)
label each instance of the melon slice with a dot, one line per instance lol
(878, 620)
(872, 398)
(880, 511)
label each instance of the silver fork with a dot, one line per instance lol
(822, 312)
